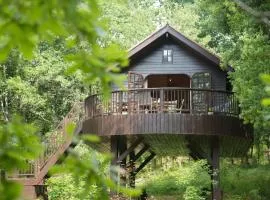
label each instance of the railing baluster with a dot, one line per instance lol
(146, 100)
(162, 100)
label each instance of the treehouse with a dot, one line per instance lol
(177, 102)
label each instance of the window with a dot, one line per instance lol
(167, 56)
(200, 99)
(201, 80)
(135, 80)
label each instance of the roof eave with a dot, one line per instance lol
(168, 29)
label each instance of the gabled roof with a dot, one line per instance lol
(167, 29)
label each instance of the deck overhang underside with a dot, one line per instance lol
(185, 145)
(175, 134)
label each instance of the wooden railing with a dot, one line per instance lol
(55, 141)
(155, 100)
(135, 101)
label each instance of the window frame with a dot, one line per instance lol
(200, 99)
(201, 80)
(167, 55)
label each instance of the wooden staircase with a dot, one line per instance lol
(54, 146)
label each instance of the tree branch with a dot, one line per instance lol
(263, 16)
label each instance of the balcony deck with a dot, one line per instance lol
(168, 115)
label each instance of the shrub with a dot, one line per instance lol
(192, 193)
(189, 181)
(246, 183)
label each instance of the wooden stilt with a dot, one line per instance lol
(118, 148)
(114, 149)
(132, 169)
(122, 146)
(127, 152)
(114, 152)
(121, 152)
(216, 193)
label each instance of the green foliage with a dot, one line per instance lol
(86, 173)
(9, 190)
(33, 82)
(181, 180)
(244, 44)
(76, 21)
(192, 193)
(245, 183)
(266, 101)
(192, 181)
(246, 79)
(65, 185)
(39, 90)
(19, 144)
(183, 17)
(132, 21)
(125, 19)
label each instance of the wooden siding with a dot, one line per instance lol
(185, 61)
(167, 123)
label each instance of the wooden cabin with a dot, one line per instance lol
(175, 87)
(177, 101)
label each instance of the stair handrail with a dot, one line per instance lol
(73, 116)
(57, 139)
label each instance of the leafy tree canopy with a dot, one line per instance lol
(24, 24)
(243, 42)
(37, 89)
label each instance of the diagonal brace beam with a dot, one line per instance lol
(141, 152)
(145, 162)
(127, 152)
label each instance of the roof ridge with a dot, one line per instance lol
(149, 36)
(177, 35)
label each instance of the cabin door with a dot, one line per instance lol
(200, 98)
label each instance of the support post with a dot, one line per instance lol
(132, 169)
(118, 148)
(215, 153)
(114, 152)
(122, 144)
(127, 152)
(114, 149)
